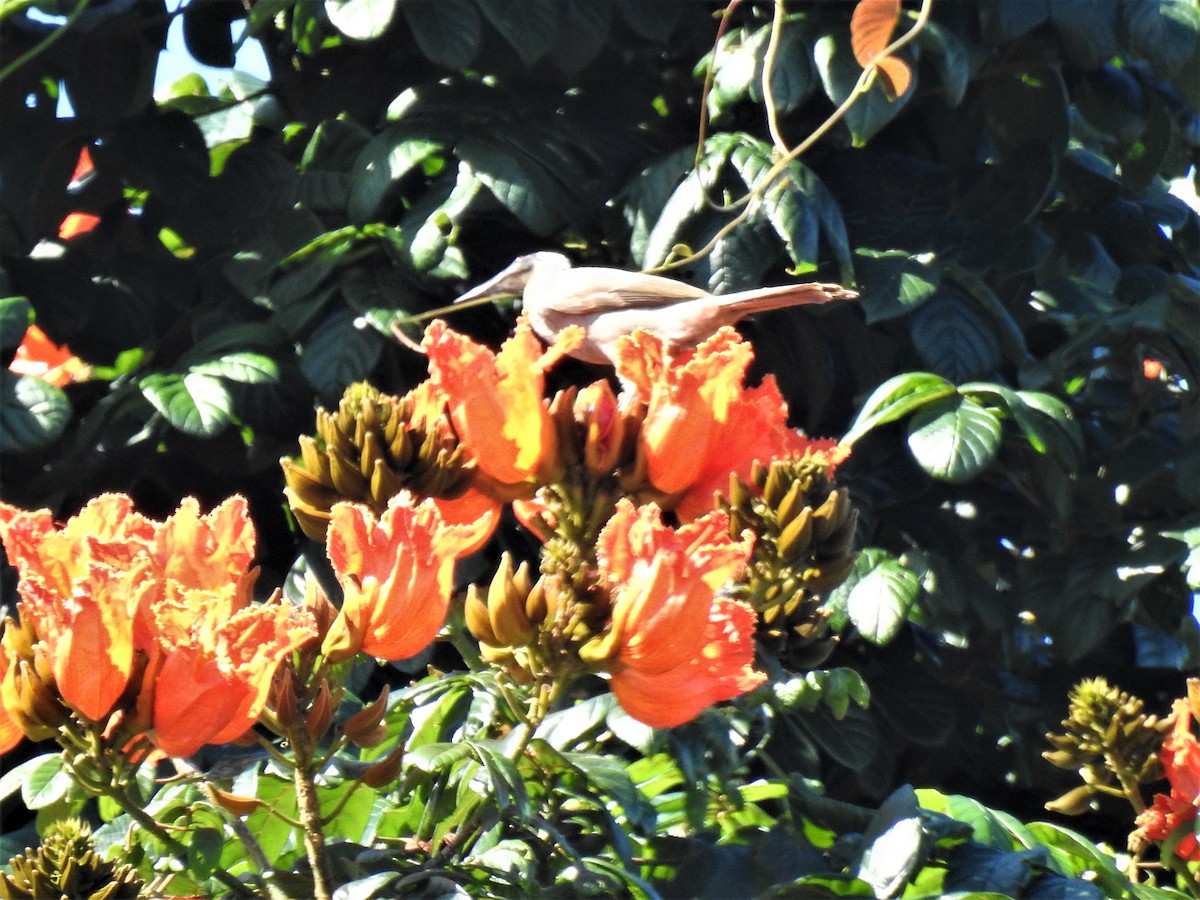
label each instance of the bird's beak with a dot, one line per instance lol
(510, 282)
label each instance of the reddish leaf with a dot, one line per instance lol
(871, 28)
(895, 75)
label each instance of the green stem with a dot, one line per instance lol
(120, 795)
(46, 42)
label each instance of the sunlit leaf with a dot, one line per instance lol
(362, 20)
(954, 439)
(33, 413)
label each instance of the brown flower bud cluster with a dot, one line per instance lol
(67, 865)
(1108, 739)
(370, 449)
(805, 529)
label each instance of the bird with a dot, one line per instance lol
(610, 303)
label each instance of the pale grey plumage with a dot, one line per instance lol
(609, 303)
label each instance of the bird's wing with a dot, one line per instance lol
(596, 289)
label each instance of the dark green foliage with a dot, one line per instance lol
(1028, 487)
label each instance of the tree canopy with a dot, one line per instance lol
(1018, 377)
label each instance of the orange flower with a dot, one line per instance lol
(702, 424)
(214, 673)
(674, 648)
(39, 357)
(475, 513)
(688, 400)
(755, 429)
(75, 224)
(720, 671)
(1180, 756)
(396, 575)
(10, 731)
(205, 552)
(78, 586)
(112, 598)
(495, 399)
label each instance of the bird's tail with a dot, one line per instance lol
(764, 299)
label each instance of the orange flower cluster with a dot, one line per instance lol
(1169, 813)
(397, 577)
(496, 402)
(702, 424)
(674, 647)
(143, 624)
(679, 430)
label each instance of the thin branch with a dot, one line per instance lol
(46, 42)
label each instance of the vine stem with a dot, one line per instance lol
(759, 190)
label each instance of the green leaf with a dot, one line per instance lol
(954, 439)
(530, 26)
(245, 368)
(33, 413)
(953, 339)
(508, 788)
(878, 603)
(851, 741)
(894, 844)
(793, 79)
(645, 197)
(893, 283)
(340, 351)
(568, 727)
(448, 32)
(1006, 20)
(437, 757)
(986, 827)
(1049, 426)
(584, 29)
(952, 58)
(45, 783)
(429, 227)
(361, 20)
(829, 216)
(1078, 857)
(795, 221)
(1029, 106)
(839, 73)
(17, 777)
(1165, 32)
(609, 776)
(390, 155)
(196, 404)
(896, 398)
(16, 315)
(1087, 29)
(522, 178)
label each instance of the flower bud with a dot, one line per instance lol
(597, 411)
(283, 697)
(476, 613)
(320, 712)
(236, 804)
(506, 604)
(365, 728)
(386, 770)
(562, 412)
(32, 703)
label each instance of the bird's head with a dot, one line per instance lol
(512, 280)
